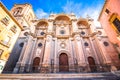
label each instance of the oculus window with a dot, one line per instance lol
(40, 45)
(106, 43)
(42, 33)
(86, 44)
(82, 32)
(62, 31)
(21, 44)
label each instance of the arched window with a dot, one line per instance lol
(18, 11)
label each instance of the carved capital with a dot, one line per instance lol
(50, 20)
(73, 20)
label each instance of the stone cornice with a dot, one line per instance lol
(74, 20)
(50, 20)
(75, 33)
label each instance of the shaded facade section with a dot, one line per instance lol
(9, 32)
(110, 21)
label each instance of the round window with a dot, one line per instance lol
(62, 32)
(63, 45)
(86, 44)
(105, 43)
(42, 33)
(82, 32)
(40, 45)
(21, 44)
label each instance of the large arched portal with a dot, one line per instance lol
(63, 63)
(92, 64)
(36, 62)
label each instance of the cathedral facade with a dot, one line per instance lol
(60, 43)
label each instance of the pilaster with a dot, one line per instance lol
(106, 56)
(29, 66)
(74, 25)
(47, 53)
(80, 54)
(50, 26)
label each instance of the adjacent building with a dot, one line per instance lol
(60, 43)
(110, 21)
(9, 32)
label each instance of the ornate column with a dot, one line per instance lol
(46, 60)
(48, 47)
(50, 27)
(55, 56)
(74, 26)
(72, 53)
(95, 51)
(79, 51)
(29, 66)
(106, 57)
(27, 52)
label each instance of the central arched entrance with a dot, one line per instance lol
(63, 63)
(92, 64)
(36, 62)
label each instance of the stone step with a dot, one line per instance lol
(60, 76)
(117, 73)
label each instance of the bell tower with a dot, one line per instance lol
(24, 15)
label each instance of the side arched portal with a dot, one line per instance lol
(36, 62)
(92, 64)
(63, 63)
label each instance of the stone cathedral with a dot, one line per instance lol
(60, 43)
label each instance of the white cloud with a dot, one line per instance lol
(72, 7)
(40, 13)
(80, 11)
(93, 12)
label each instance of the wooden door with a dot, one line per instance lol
(36, 62)
(92, 64)
(63, 63)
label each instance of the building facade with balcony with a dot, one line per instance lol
(9, 32)
(110, 21)
(60, 43)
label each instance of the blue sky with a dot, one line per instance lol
(43, 8)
